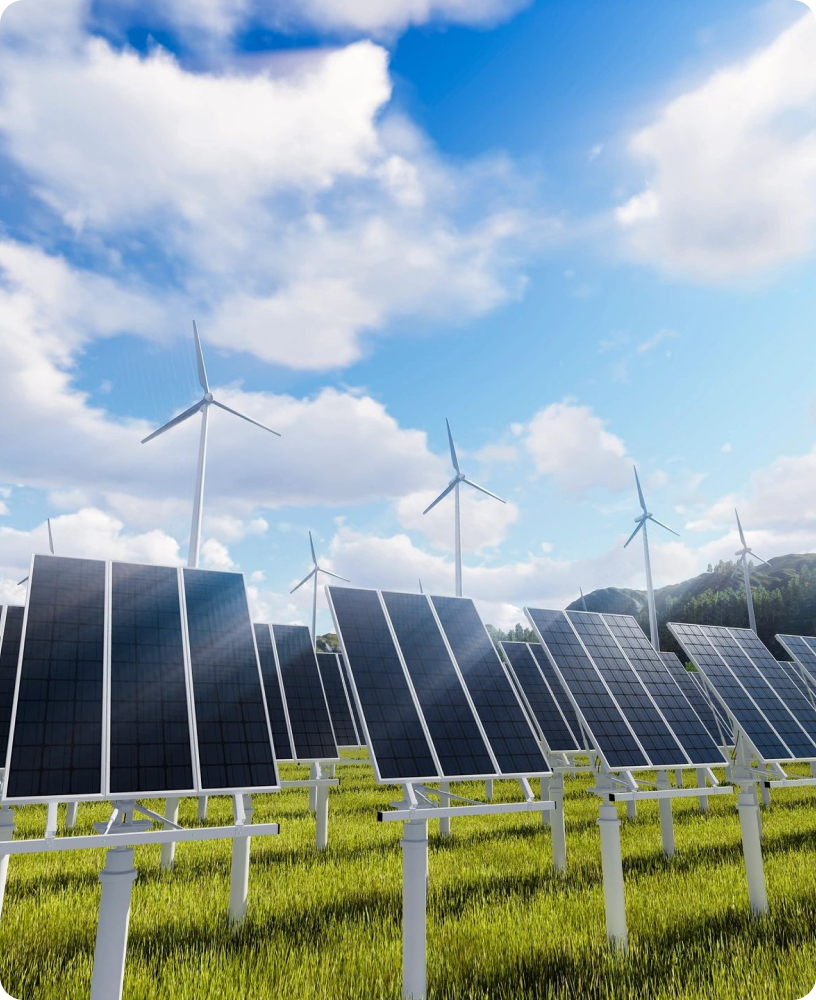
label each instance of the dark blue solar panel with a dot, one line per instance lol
(504, 720)
(56, 746)
(698, 698)
(274, 700)
(337, 698)
(561, 697)
(720, 713)
(357, 724)
(150, 745)
(639, 710)
(665, 692)
(396, 739)
(708, 661)
(234, 738)
(455, 733)
(803, 650)
(9, 657)
(603, 719)
(312, 733)
(543, 706)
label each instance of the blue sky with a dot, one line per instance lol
(582, 232)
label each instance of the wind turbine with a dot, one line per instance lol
(316, 569)
(583, 599)
(50, 546)
(641, 525)
(743, 554)
(202, 407)
(454, 485)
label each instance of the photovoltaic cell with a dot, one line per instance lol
(740, 704)
(337, 698)
(272, 689)
(720, 714)
(357, 724)
(459, 744)
(504, 720)
(546, 711)
(312, 733)
(396, 740)
(56, 741)
(9, 656)
(667, 695)
(234, 738)
(557, 688)
(150, 744)
(803, 650)
(699, 700)
(638, 709)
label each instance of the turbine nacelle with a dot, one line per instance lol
(460, 477)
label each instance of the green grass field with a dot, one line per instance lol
(501, 923)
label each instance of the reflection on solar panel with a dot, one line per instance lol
(334, 684)
(422, 668)
(281, 736)
(11, 630)
(544, 708)
(699, 699)
(150, 743)
(599, 714)
(759, 711)
(309, 721)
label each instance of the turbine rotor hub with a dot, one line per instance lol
(208, 397)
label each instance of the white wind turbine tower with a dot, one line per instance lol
(454, 485)
(316, 570)
(743, 554)
(202, 407)
(50, 546)
(641, 526)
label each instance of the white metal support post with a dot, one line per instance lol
(545, 794)
(168, 851)
(748, 809)
(112, 930)
(612, 867)
(701, 783)
(666, 821)
(321, 813)
(313, 775)
(557, 820)
(239, 873)
(414, 845)
(7, 826)
(71, 815)
(444, 822)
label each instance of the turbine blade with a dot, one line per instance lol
(640, 524)
(452, 449)
(640, 491)
(24, 580)
(311, 545)
(760, 559)
(441, 496)
(50, 536)
(739, 525)
(481, 489)
(190, 412)
(202, 371)
(243, 416)
(420, 587)
(304, 580)
(662, 525)
(329, 573)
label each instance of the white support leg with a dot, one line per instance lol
(813, 772)
(612, 865)
(322, 816)
(631, 809)
(312, 791)
(414, 845)
(557, 822)
(239, 874)
(678, 778)
(114, 917)
(748, 809)
(6, 834)
(545, 794)
(168, 851)
(701, 783)
(51, 821)
(202, 809)
(489, 790)
(71, 815)
(666, 821)
(444, 823)
(755, 793)
(766, 795)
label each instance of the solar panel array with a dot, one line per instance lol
(699, 699)
(633, 708)
(136, 681)
(803, 650)
(338, 700)
(772, 712)
(434, 697)
(301, 724)
(542, 702)
(11, 631)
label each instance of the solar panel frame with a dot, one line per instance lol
(272, 672)
(326, 663)
(10, 637)
(566, 741)
(344, 671)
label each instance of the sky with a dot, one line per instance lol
(583, 233)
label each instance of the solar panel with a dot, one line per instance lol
(357, 724)
(554, 684)
(334, 684)
(596, 708)
(737, 682)
(281, 735)
(150, 734)
(452, 724)
(803, 649)
(669, 697)
(699, 699)
(309, 720)
(11, 630)
(720, 714)
(794, 674)
(544, 708)
(508, 730)
(55, 745)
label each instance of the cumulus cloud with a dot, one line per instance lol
(730, 167)
(485, 521)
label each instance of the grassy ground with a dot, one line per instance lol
(501, 924)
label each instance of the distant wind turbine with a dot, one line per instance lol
(50, 546)
(316, 570)
(743, 554)
(583, 599)
(202, 407)
(454, 484)
(641, 525)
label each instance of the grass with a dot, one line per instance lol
(501, 923)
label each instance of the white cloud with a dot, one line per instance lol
(726, 448)
(569, 442)
(731, 167)
(484, 521)
(654, 341)
(215, 555)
